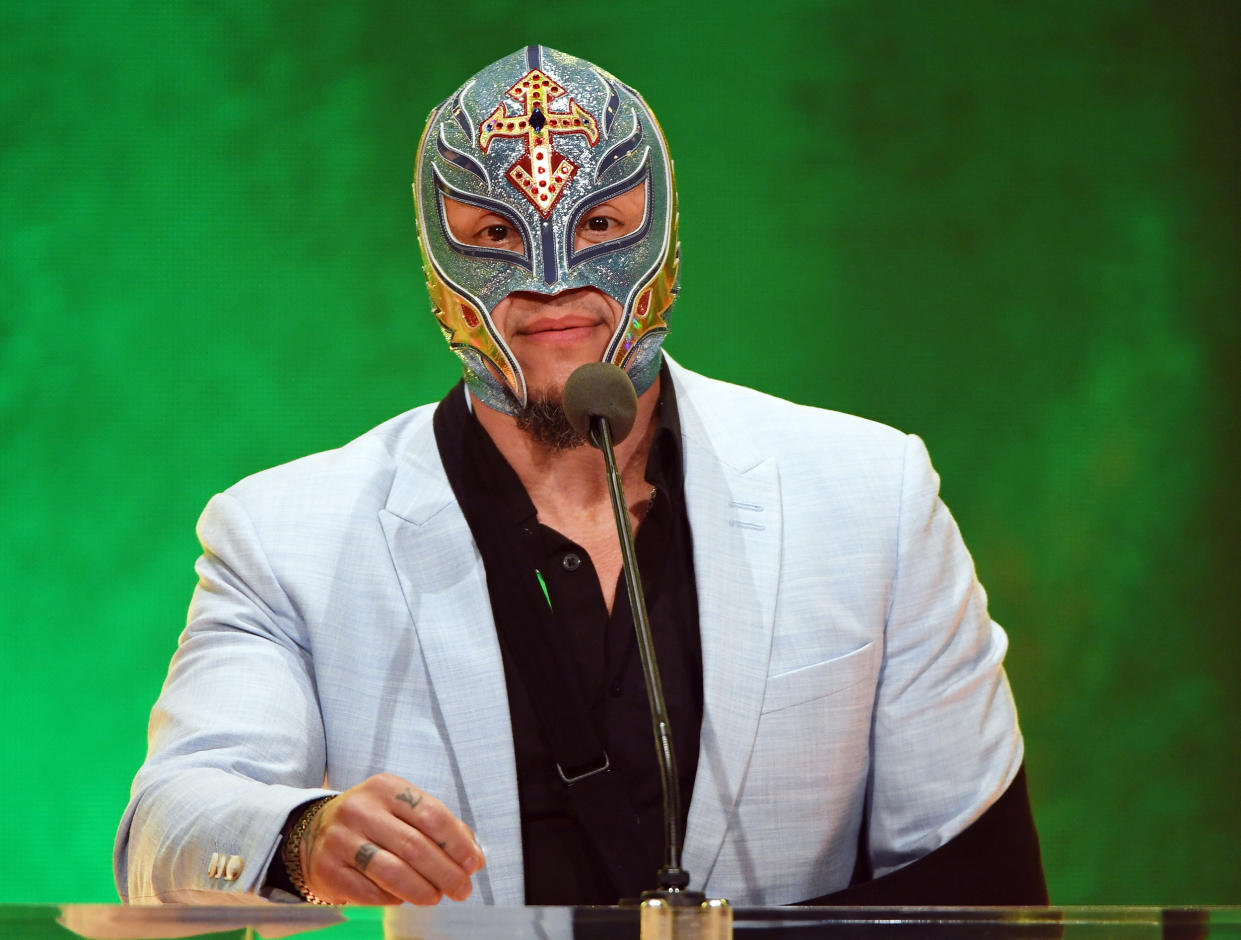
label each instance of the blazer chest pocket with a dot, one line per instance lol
(818, 680)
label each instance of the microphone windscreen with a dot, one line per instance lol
(600, 389)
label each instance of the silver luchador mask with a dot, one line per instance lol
(540, 138)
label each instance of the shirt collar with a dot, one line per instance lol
(480, 475)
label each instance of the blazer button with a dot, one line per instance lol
(571, 562)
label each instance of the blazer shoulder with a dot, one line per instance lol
(356, 475)
(738, 418)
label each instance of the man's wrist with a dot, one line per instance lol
(291, 850)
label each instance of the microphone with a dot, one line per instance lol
(600, 390)
(601, 404)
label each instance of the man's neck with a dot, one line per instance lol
(572, 480)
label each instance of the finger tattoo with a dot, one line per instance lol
(408, 797)
(364, 855)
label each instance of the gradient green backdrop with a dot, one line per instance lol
(1011, 228)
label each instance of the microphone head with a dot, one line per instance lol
(600, 389)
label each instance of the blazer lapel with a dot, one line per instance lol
(735, 517)
(445, 587)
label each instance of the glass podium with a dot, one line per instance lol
(448, 922)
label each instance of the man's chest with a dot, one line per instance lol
(594, 535)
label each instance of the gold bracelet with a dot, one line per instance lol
(292, 851)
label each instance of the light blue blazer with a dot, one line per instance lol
(341, 627)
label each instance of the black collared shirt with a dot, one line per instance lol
(562, 865)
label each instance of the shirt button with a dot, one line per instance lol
(571, 562)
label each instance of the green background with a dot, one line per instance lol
(1010, 228)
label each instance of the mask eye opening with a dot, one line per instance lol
(443, 190)
(638, 178)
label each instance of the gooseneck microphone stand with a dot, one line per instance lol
(600, 402)
(672, 878)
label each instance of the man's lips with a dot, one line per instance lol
(559, 329)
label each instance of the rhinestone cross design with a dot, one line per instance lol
(541, 173)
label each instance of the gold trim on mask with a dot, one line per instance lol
(464, 327)
(656, 296)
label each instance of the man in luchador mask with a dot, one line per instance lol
(409, 674)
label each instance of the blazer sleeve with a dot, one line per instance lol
(945, 739)
(235, 740)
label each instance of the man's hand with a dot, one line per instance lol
(384, 842)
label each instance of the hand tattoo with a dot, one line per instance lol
(408, 797)
(364, 855)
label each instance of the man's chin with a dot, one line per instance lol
(544, 420)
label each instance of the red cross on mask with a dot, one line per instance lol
(541, 173)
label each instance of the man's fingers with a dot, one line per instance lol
(434, 863)
(396, 877)
(347, 885)
(439, 826)
(414, 851)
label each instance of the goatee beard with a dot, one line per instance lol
(543, 418)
